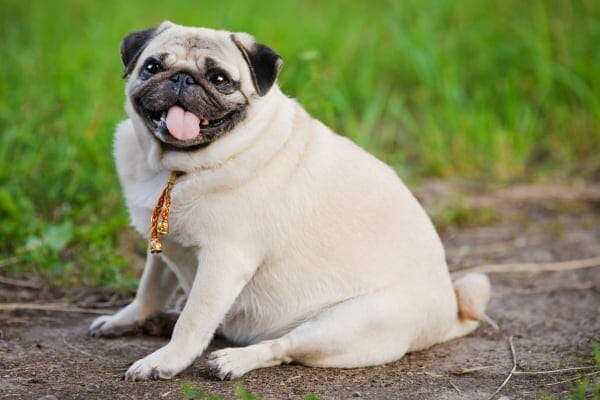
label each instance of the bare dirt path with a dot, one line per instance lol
(552, 317)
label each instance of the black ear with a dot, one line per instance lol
(132, 46)
(263, 62)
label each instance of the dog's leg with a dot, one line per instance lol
(157, 285)
(221, 275)
(367, 330)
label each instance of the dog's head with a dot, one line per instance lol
(190, 86)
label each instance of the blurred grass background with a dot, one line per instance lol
(494, 91)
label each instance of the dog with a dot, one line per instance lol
(288, 239)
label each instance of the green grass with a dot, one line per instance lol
(496, 91)
(583, 387)
(453, 211)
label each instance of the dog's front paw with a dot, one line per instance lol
(164, 363)
(109, 326)
(125, 321)
(229, 363)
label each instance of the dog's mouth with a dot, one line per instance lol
(181, 128)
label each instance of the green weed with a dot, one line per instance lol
(191, 393)
(454, 211)
(243, 394)
(584, 387)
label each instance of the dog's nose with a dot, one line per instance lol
(183, 80)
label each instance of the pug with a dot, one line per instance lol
(289, 240)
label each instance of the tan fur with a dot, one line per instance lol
(288, 238)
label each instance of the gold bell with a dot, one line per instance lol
(155, 246)
(163, 227)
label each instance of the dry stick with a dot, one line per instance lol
(580, 286)
(573, 379)
(499, 247)
(8, 261)
(473, 369)
(455, 387)
(554, 371)
(535, 267)
(109, 304)
(50, 307)
(64, 339)
(490, 321)
(20, 283)
(512, 371)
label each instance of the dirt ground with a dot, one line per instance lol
(552, 317)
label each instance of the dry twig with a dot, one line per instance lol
(554, 371)
(107, 304)
(497, 247)
(8, 261)
(472, 369)
(455, 387)
(535, 267)
(512, 371)
(50, 307)
(433, 374)
(64, 339)
(491, 322)
(579, 286)
(573, 379)
(20, 283)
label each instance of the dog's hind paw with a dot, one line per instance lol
(222, 364)
(231, 363)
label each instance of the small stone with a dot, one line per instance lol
(48, 397)
(356, 394)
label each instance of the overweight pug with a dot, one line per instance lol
(289, 239)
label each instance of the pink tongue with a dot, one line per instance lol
(182, 124)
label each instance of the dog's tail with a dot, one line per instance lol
(472, 295)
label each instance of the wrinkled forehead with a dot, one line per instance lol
(184, 45)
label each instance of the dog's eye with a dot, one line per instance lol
(219, 79)
(152, 67)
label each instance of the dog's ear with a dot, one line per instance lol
(132, 46)
(263, 62)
